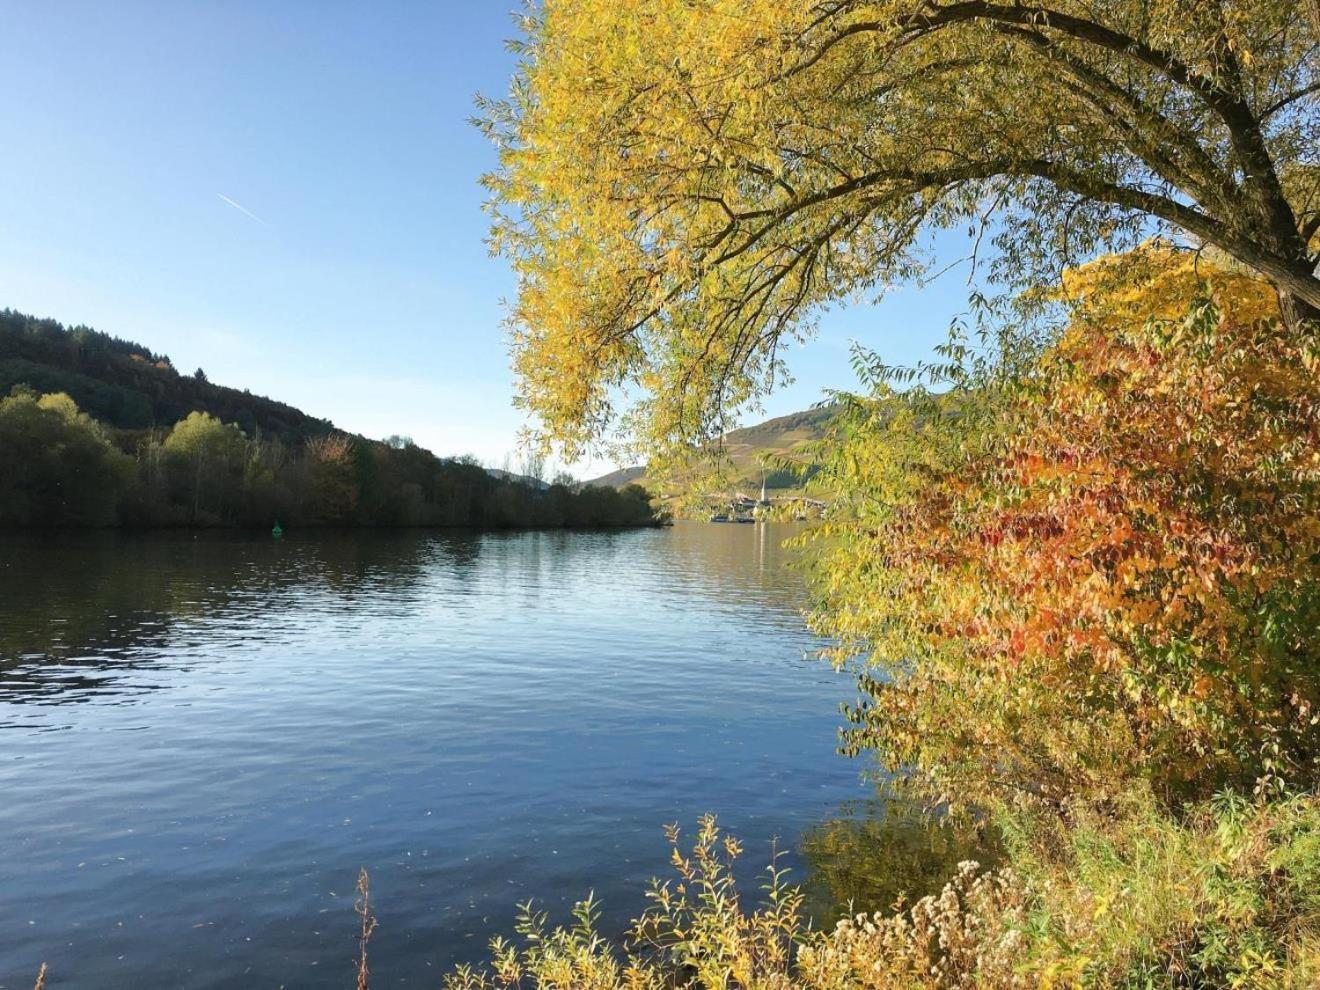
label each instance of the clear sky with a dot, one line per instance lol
(285, 195)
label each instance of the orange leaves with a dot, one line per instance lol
(1127, 560)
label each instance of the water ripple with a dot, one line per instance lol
(202, 738)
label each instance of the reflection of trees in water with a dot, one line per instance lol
(879, 849)
(83, 611)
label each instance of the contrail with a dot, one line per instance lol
(241, 208)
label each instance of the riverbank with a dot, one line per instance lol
(1223, 896)
(62, 469)
(657, 522)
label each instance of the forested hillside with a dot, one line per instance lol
(98, 431)
(128, 386)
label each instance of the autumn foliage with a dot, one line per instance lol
(1113, 570)
(1225, 898)
(684, 186)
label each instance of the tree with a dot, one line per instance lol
(333, 472)
(210, 454)
(683, 185)
(56, 467)
(533, 466)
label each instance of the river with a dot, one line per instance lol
(203, 737)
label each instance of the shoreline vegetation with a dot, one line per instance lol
(1123, 896)
(86, 442)
(60, 470)
(1225, 887)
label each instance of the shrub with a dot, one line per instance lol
(1102, 568)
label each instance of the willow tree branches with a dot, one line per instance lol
(684, 185)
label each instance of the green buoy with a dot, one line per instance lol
(277, 531)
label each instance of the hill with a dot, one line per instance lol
(100, 431)
(752, 449)
(620, 478)
(126, 385)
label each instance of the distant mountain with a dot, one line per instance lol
(620, 478)
(750, 447)
(519, 479)
(127, 386)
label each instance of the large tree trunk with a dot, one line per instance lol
(1297, 287)
(1290, 267)
(1297, 306)
(1295, 311)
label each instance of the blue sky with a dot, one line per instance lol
(351, 278)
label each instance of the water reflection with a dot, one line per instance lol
(873, 851)
(477, 718)
(82, 613)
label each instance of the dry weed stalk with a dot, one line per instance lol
(362, 906)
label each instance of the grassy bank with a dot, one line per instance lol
(1226, 894)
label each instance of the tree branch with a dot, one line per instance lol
(1291, 98)
(1206, 180)
(1079, 28)
(1285, 272)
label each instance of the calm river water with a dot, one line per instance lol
(203, 738)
